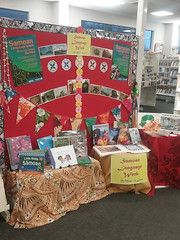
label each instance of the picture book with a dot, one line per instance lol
(45, 143)
(61, 141)
(100, 134)
(135, 136)
(113, 136)
(103, 151)
(84, 161)
(136, 148)
(14, 146)
(62, 156)
(76, 138)
(32, 160)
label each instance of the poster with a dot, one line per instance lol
(128, 168)
(24, 59)
(121, 61)
(78, 44)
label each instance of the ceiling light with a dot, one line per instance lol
(104, 3)
(162, 13)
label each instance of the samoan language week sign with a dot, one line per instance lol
(24, 59)
(129, 168)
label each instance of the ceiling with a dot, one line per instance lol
(129, 9)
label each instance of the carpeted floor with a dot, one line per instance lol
(122, 216)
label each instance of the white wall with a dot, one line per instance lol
(78, 14)
(39, 10)
(42, 11)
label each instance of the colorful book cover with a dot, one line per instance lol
(14, 146)
(78, 139)
(100, 134)
(24, 59)
(61, 141)
(45, 143)
(121, 61)
(113, 136)
(135, 136)
(32, 160)
(63, 156)
(84, 161)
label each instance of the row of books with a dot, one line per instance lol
(63, 151)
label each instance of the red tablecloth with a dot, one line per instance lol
(164, 159)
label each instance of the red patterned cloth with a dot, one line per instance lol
(164, 159)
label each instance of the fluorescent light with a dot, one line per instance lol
(162, 13)
(104, 3)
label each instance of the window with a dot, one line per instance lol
(16, 14)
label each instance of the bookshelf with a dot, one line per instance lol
(177, 93)
(149, 79)
(167, 82)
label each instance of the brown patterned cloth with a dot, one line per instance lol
(112, 188)
(38, 199)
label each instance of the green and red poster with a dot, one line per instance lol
(24, 59)
(121, 61)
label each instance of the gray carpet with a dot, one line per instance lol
(122, 216)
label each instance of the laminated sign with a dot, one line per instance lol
(129, 168)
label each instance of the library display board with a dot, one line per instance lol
(60, 78)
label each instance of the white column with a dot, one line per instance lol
(140, 29)
(63, 12)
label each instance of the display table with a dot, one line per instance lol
(164, 159)
(106, 168)
(38, 199)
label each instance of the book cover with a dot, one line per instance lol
(113, 136)
(136, 148)
(84, 161)
(135, 136)
(45, 143)
(63, 156)
(32, 160)
(78, 139)
(61, 141)
(103, 151)
(100, 134)
(14, 146)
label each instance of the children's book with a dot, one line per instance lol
(135, 136)
(32, 160)
(113, 136)
(14, 146)
(45, 143)
(62, 156)
(76, 138)
(61, 141)
(84, 161)
(100, 134)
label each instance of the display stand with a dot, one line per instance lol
(4, 207)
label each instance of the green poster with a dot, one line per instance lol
(121, 61)
(24, 59)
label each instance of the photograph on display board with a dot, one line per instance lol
(96, 51)
(48, 96)
(85, 85)
(95, 89)
(60, 49)
(107, 53)
(120, 61)
(24, 59)
(60, 92)
(46, 51)
(36, 100)
(106, 91)
(71, 86)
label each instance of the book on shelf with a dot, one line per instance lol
(100, 134)
(62, 156)
(14, 146)
(32, 160)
